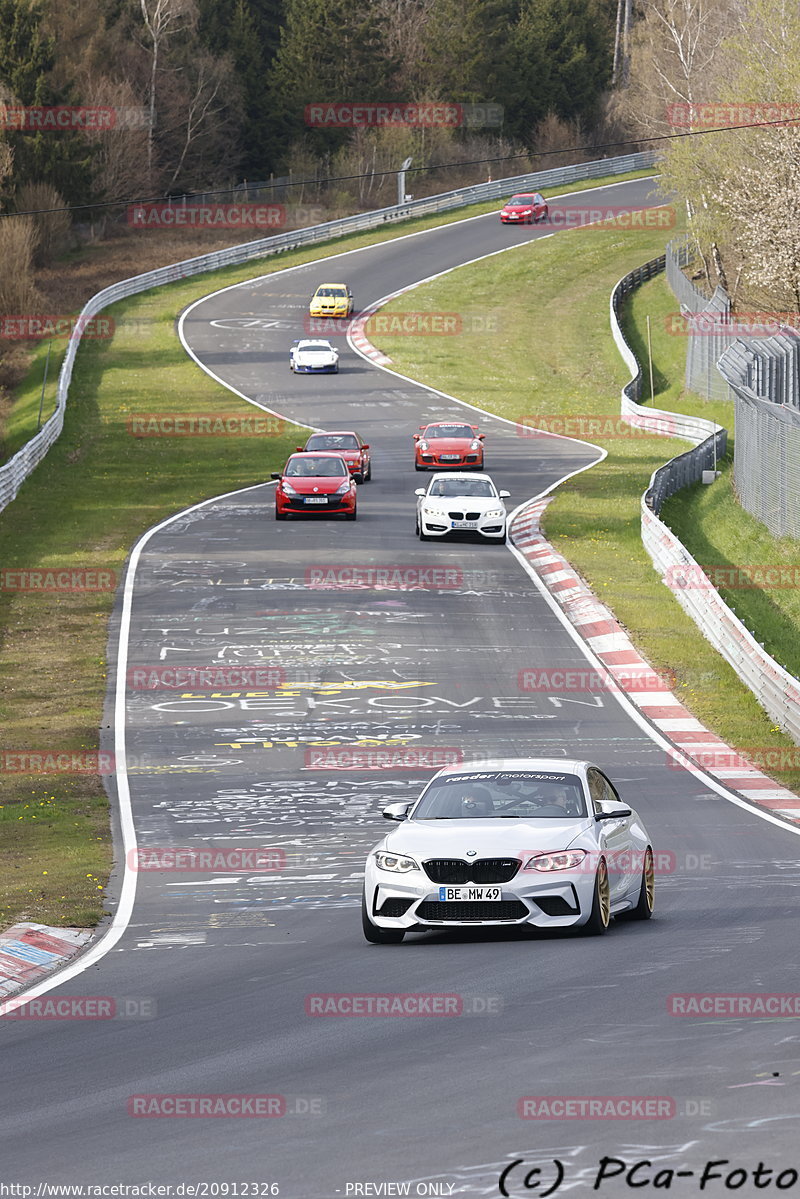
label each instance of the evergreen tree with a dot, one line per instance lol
(331, 50)
(27, 55)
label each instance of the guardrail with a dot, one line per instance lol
(17, 469)
(777, 691)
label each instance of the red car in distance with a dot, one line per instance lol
(524, 209)
(444, 444)
(318, 484)
(347, 443)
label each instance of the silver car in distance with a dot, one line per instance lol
(539, 841)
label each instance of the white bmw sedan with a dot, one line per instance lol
(313, 357)
(460, 503)
(538, 841)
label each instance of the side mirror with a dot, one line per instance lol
(396, 811)
(616, 814)
(416, 436)
(481, 437)
(420, 491)
(276, 474)
(365, 447)
(504, 494)
(300, 449)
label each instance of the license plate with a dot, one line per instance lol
(464, 524)
(316, 499)
(469, 893)
(449, 457)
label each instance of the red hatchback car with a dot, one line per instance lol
(444, 444)
(315, 485)
(523, 209)
(354, 451)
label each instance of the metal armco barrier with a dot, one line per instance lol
(16, 471)
(777, 691)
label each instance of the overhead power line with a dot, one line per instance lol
(444, 166)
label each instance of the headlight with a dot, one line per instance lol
(476, 445)
(527, 211)
(287, 488)
(395, 862)
(495, 512)
(431, 511)
(423, 445)
(343, 490)
(570, 859)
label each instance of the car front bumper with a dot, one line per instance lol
(493, 527)
(560, 900)
(301, 369)
(298, 507)
(434, 462)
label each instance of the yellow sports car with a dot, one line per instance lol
(331, 299)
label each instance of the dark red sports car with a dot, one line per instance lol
(318, 484)
(347, 443)
(444, 444)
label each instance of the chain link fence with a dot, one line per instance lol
(761, 375)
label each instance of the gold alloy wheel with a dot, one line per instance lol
(649, 880)
(603, 894)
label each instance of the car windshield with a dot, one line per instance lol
(332, 441)
(434, 431)
(324, 468)
(451, 488)
(331, 292)
(527, 200)
(503, 794)
(314, 347)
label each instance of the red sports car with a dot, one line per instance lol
(447, 443)
(317, 484)
(350, 446)
(523, 209)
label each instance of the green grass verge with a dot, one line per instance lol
(97, 491)
(540, 345)
(22, 422)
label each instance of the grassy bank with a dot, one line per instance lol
(548, 351)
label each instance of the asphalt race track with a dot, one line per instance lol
(213, 976)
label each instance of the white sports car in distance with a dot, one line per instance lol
(460, 503)
(539, 841)
(313, 357)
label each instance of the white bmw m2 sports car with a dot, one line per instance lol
(539, 841)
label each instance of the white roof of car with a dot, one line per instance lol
(316, 344)
(557, 765)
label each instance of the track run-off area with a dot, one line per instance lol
(217, 976)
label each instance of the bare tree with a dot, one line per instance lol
(162, 20)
